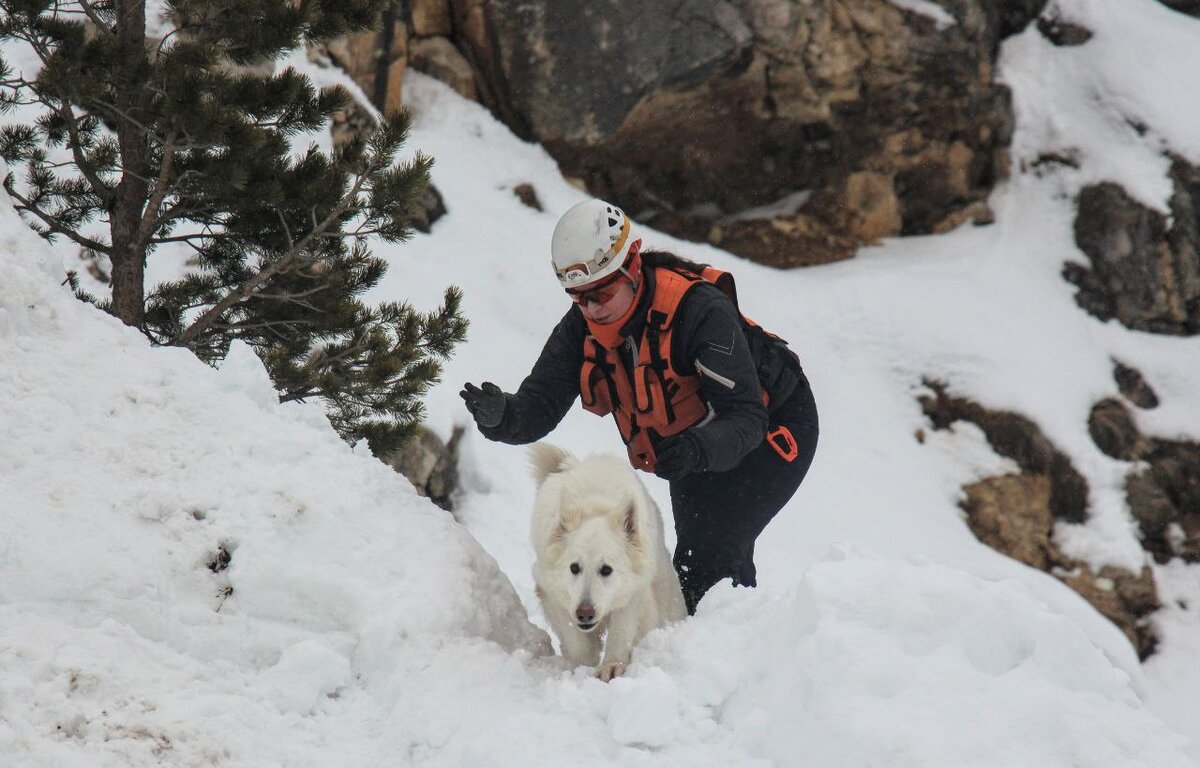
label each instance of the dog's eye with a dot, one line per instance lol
(575, 569)
(605, 570)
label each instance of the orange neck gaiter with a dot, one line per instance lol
(609, 334)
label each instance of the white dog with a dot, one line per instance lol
(601, 564)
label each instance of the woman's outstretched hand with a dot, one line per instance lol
(486, 403)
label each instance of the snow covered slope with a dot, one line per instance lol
(356, 624)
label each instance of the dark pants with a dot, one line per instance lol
(718, 515)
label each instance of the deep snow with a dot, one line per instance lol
(365, 627)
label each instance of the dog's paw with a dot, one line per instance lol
(607, 672)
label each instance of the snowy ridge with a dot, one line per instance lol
(365, 627)
(115, 633)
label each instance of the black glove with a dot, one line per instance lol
(486, 405)
(678, 456)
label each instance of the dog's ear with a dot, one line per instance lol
(628, 523)
(546, 459)
(568, 521)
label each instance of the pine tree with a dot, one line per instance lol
(189, 139)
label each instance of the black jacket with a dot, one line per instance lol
(732, 358)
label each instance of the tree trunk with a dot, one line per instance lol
(129, 258)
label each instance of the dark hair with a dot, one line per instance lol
(672, 261)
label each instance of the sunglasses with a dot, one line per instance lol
(600, 294)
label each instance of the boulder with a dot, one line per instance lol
(1133, 386)
(431, 465)
(376, 60)
(1112, 429)
(438, 58)
(429, 18)
(1018, 438)
(1011, 514)
(692, 114)
(1143, 272)
(430, 207)
(1163, 489)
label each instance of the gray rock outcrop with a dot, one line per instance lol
(786, 131)
(1144, 270)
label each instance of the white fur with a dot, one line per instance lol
(593, 513)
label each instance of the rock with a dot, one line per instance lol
(1142, 273)
(1124, 598)
(430, 207)
(1113, 431)
(438, 58)
(350, 123)
(1020, 439)
(979, 214)
(1175, 470)
(1164, 492)
(376, 60)
(1133, 386)
(430, 18)
(797, 241)
(1014, 15)
(1011, 514)
(863, 206)
(528, 196)
(1154, 512)
(431, 465)
(691, 114)
(1063, 33)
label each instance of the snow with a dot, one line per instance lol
(356, 624)
(941, 18)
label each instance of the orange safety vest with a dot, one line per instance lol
(656, 401)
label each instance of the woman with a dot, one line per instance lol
(702, 396)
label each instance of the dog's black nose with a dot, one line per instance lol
(585, 614)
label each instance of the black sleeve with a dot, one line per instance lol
(714, 346)
(547, 393)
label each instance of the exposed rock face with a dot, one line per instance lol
(1011, 514)
(431, 465)
(1142, 273)
(695, 114)
(437, 57)
(1020, 439)
(1015, 514)
(429, 18)
(1164, 497)
(376, 60)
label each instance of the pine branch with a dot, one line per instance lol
(52, 223)
(284, 263)
(162, 187)
(94, 16)
(103, 190)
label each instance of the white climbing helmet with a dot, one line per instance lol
(591, 241)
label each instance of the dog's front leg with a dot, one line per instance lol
(580, 648)
(623, 634)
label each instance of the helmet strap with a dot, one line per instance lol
(632, 268)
